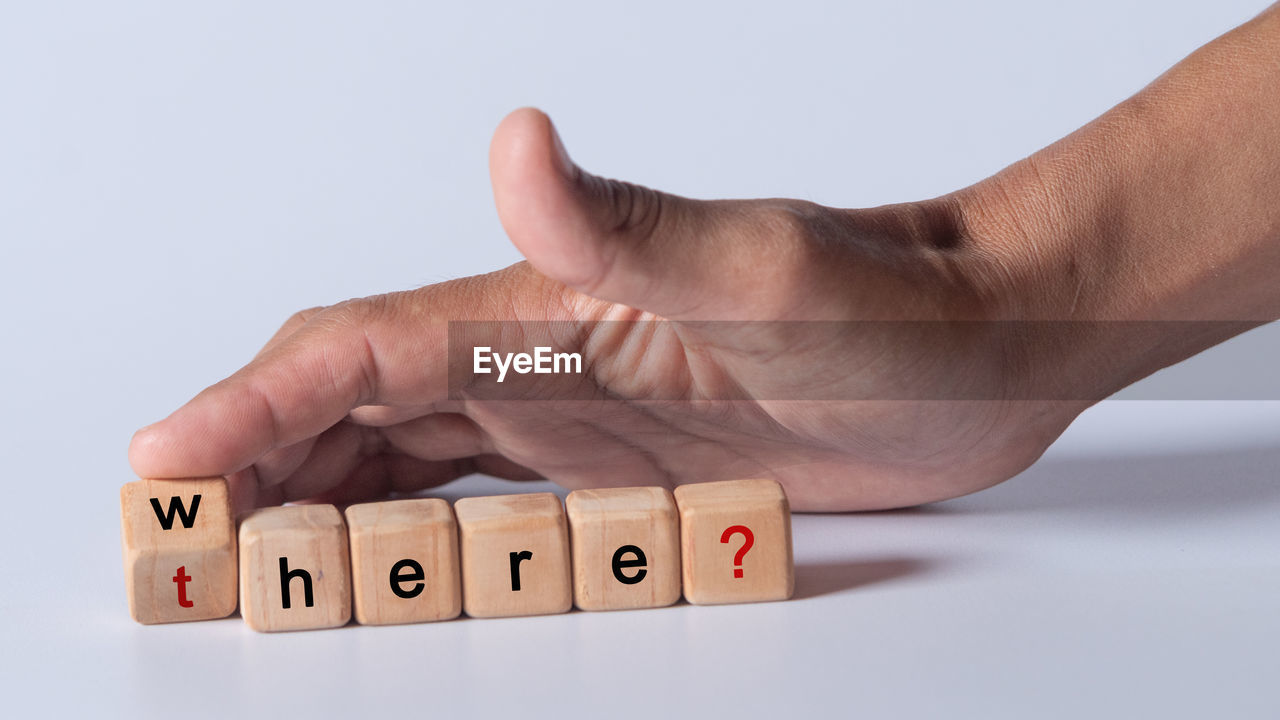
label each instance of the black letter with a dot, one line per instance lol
(398, 579)
(619, 563)
(286, 575)
(515, 567)
(175, 503)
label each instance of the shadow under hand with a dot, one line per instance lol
(1204, 484)
(814, 579)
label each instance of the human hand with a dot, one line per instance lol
(866, 359)
(352, 401)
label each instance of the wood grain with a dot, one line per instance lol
(707, 511)
(494, 529)
(404, 561)
(180, 573)
(312, 541)
(626, 526)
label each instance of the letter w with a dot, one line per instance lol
(176, 506)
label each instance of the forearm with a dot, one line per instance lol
(1166, 208)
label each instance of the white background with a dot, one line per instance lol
(176, 179)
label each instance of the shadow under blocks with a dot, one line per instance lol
(422, 560)
(1140, 489)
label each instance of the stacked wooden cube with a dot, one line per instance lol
(421, 560)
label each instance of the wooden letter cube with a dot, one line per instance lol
(515, 555)
(404, 561)
(179, 549)
(626, 548)
(294, 569)
(735, 539)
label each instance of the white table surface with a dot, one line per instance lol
(176, 179)
(1144, 582)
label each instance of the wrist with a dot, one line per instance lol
(1153, 232)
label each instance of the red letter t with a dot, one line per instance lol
(182, 579)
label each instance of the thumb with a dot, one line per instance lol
(614, 240)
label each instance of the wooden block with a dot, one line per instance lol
(515, 555)
(625, 545)
(294, 568)
(735, 540)
(404, 561)
(179, 549)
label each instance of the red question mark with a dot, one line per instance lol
(748, 539)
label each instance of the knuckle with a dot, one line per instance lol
(794, 229)
(788, 223)
(293, 324)
(301, 317)
(630, 209)
(358, 312)
(354, 326)
(801, 247)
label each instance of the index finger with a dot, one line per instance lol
(346, 356)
